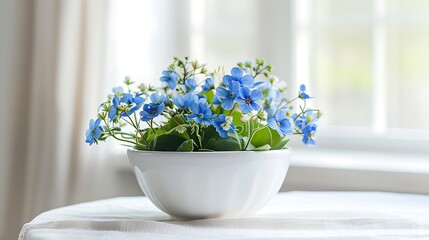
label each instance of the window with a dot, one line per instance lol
(367, 62)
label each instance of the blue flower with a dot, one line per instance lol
(237, 76)
(150, 111)
(170, 77)
(201, 113)
(117, 90)
(262, 85)
(208, 84)
(227, 96)
(306, 124)
(309, 131)
(308, 118)
(216, 100)
(126, 105)
(281, 123)
(158, 99)
(154, 108)
(247, 99)
(223, 125)
(190, 85)
(183, 102)
(94, 131)
(302, 92)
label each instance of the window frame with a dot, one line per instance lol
(378, 136)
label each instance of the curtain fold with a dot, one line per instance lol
(53, 64)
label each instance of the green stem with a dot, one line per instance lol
(197, 132)
(238, 140)
(259, 72)
(113, 134)
(137, 130)
(151, 126)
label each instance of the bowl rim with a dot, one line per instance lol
(287, 150)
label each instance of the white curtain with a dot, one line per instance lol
(52, 67)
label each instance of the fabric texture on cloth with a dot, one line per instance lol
(292, 215)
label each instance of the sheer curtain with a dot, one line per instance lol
(53, 65)
(58, 59)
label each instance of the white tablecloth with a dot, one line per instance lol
(292, 215)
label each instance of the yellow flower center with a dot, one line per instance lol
(248, 100)
(278, 124)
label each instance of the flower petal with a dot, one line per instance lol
(272, 123)
(172, 84)
(237, 73)
(234, 86)
(255, 95)
(240, 101)
(222, 92)
(254, 106)
(112, 112)
(245, 108)
(244, 92)
(247, 80)
(227, 79)
(164, 79)
(195, 108)
(227, 104)
(97, 122)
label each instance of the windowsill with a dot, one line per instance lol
(361, 160)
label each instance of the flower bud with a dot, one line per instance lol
(180, 129)
(227, 124)
(273, 80)
(195, 64)
(172, 113)
(143, 87)
(245, 117)
(262, 115)
(282, 85)
(124, 107)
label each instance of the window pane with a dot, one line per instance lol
(408, 77)
(337, 8)
(231, 34)
(342, 76)
(407, 7)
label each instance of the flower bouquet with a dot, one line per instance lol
(201, 111)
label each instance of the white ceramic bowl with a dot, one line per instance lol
(192, 185)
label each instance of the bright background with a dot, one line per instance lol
(367, 63)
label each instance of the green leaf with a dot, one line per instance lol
(210, 95)
(267, 136)
(210, 143)
(262, 137)
(186, 146)
(168, 142)
(207, 134)
(140, 147)
(265, 147)
(226, 144)
(281, 144)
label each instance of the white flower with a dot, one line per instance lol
(227, 124)
(245, 117)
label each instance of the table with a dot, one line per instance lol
(291, 215)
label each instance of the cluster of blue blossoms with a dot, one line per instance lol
(238, 92)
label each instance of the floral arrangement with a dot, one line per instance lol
(200, 111)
